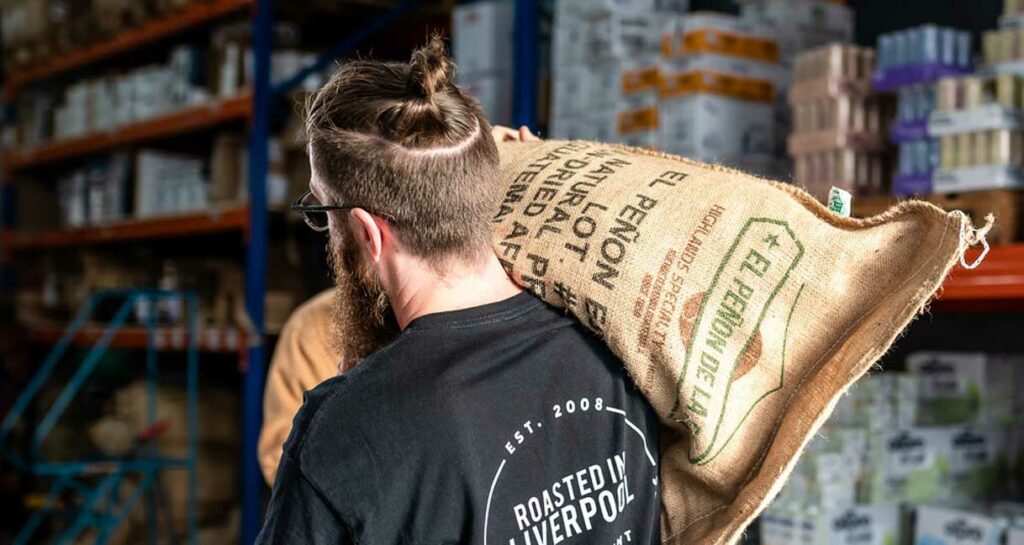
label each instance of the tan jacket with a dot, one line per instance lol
(303, 358)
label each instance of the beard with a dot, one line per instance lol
(363, 321)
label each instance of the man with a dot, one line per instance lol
(490, 417)
(304, 357)
(307, 354)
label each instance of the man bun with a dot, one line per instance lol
(430, 69)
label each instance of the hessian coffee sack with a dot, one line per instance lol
(742, 308)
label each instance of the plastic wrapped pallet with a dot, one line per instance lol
(742, 308)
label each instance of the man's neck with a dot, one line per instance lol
(427, 292)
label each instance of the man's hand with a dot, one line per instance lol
(507, 134)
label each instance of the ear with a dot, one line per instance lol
(367, 232)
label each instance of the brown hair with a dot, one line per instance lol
(402, 140)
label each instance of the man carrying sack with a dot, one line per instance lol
(491, 417)
(740, 308)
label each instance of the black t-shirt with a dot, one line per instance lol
(503, 424)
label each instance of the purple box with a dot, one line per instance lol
(902, 76)
(906, 185)
(906, 131)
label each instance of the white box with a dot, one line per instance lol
(735, 66)
(910, 465)
(482, 37)
(974, 463)
(623, 84)
(587, 8)
(568, 38)
(966, 388)
(622, 35)
(802, 24)
(167, 183)
(724, 22)
(943, 526)
(1015, 536)
(855, 525)
(709, 127)
(495, 95)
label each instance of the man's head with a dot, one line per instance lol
(414, 155)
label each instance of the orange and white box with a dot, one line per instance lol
(721, 34)
(716, 117)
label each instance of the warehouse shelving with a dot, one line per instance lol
(194, 118)
(198, 223)
(999, 280)
(214, 340)
(250, 219)
(155, 30)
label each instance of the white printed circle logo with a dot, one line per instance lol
(588, 497)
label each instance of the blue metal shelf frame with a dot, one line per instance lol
(256, 273)
(526, 68)
(264, 95)
(99, 482)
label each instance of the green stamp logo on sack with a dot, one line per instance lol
(749, 277)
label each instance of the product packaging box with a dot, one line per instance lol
(855, 525)
(946, 526)
(723, 34)
(802, 24)
(978, 463)
(622, 34)
(909, 466)
(495, 95)
(715, 128)
(482, 37)
(967, 388)
(588, 8)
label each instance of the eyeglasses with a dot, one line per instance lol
(315, 213)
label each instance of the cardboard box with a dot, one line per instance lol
(226, 168)
(482, 37)
(802, 24)
(168, 183)
(944, 526)
(23, 21)
(587, 8)
(966, 388)
(723, 34)
(568, 38)
(856, 525)
(910, 466)
(495, 95)
(622, 35)
(708, 127)
(977, 463)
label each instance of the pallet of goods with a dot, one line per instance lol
(839, 124)
(910, 62)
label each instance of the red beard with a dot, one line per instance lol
(363, 320)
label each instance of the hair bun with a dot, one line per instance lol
(430, 68)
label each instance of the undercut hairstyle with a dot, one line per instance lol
(402, 140)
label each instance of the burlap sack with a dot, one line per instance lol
(742, 308)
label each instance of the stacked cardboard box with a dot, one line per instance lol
(95, 194)
(947, 432)
(167, 183)
(910, 61)
(605, 70)
(800, 25)
(720, 79)
(482, 49)
(840, 125)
